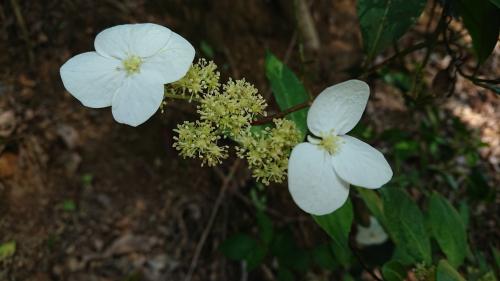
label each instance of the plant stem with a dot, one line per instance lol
(283, 113)
(180, 97)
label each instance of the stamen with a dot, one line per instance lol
(132, 64)
(330, 143)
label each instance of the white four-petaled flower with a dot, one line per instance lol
(321, 170)
(127, 71)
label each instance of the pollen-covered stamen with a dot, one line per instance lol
(132, 64)
(330, 143)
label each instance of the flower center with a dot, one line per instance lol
(330, 143)
(132, 64)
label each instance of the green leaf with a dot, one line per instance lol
(238, 246)
(207, 49)
(7, 250)
(255, 257)
(374, 204)
(448, 229)
(405, 223)
(383, 22)
(285, 274)
(68, 205)
(338, 225)
(496, 255)
(322, 256)
(287, 89)
(288, 253)
(394, 271)
(496, 2)
(446, 272)
(266, 230)
(482, 20)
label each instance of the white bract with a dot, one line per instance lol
(374, 234)
(128, 70)
(321, 170)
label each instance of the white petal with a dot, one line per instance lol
(137, 100)
(92, 78)
(360, 164)
(313, 184)
(143, 39)
(374, 234)
(173, 61)
(338, 108)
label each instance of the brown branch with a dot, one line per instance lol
(281, 114)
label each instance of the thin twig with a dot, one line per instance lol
(181, 97)
(402, 53)
(281, 114)
(199, 247)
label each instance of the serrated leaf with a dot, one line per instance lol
(405, 224)
(7, 249)
(287, 89)
(482, 20)
(394, 271)
(338, 225)
(448, 229)
(383, 22)
(238, 246)
(446, 272)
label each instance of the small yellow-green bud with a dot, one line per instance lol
(199, 140)
(267, 152)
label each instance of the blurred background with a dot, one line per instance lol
(85, 198)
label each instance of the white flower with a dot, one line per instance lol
(374, 234)
(321, 170)
(127, 71)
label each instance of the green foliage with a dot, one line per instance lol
(394, 271)
(238, 246)
(338, 225)
(207, 49)
(374, 204)
(322, 256)
(383, 22)
(287, 89)
(448, 229)
(7, 250)
(482, 20)
(266, 230)
(446, 272)
(68, 205)
(496, 2)
(405, 224)
(287, 252)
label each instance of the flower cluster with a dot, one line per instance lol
(267, 151)
(199, 140)
(202, 77)
(226, 112)
(233, 109)
(424, 272)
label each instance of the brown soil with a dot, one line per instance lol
(86, 198)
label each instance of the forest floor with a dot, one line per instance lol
(88, 199)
